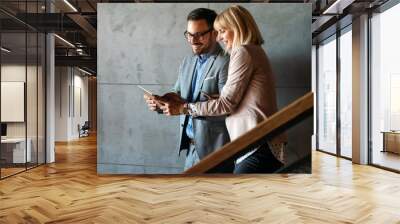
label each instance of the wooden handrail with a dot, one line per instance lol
(277, 120)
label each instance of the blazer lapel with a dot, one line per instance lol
(207, 68)
(188, 78)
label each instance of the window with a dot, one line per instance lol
(385, 88)
(327, 96)
(346, 93)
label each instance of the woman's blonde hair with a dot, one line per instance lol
(241, 22)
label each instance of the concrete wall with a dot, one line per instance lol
(144, 44)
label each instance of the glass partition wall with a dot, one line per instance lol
(14, 153)
(22, 88)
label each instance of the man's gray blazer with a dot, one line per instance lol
(210, 133)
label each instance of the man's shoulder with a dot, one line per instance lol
(188, 59)
(223, 56)
(222, 60)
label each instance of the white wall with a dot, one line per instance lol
(16, 73)
(62, 81)
(79, 115)
(70, 83)
(33, 126)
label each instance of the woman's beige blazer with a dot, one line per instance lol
(248, 95)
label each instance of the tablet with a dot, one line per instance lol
(148, 92)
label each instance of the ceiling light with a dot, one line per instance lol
(70, 5)
(64, 40)
(84, 71)
(5, 49)
(337, 7)
(329, 9)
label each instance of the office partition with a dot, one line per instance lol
(22, 101)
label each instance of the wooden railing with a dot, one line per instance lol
(294, 110)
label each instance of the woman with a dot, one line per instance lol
(249, 93)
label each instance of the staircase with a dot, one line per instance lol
(277, 123)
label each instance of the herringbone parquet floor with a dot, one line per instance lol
(70, 191)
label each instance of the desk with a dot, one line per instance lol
(16, 147)
(391, 141)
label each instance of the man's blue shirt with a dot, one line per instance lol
(198, 71)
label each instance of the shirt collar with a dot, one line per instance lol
(203, 57)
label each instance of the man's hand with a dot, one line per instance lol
(172, 104)
(151, 102)
(173, 108)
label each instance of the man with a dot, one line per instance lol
(201, 76)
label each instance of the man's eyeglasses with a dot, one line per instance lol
(198, 35)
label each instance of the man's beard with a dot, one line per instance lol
(202, 50)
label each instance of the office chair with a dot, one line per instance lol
(84, 130)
